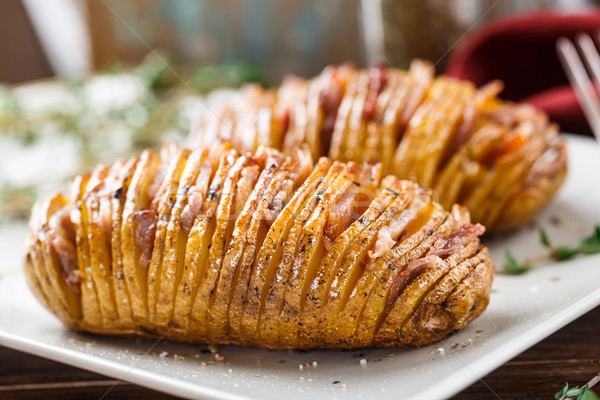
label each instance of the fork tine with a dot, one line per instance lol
(580, 82)
(590, 57)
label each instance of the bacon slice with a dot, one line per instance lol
(62, 238)
(389, 235)
(278, 203)
(192, 209)
(377, 82)
(456, 241)
(353, 203)
(145, 230)
(410, 273)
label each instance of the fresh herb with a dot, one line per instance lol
(588, 245)
(149, 111)
(512, 267)
(392, 191)
(579, 393)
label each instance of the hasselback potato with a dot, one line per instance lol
(258, 249)
(501, 160)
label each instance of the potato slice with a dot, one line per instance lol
(542, 182)
(274, 199)
(29, 265)
(500, 182)
(314, 117)
(176, 235)
(310, 249)
(198, 247)
(355, 131)
(60, 256)
(162, 205)
(268, 325)
(30, 268)
(340, 128)
(422, 78)
(452, 179)
(317, 291)
(290, 92)
(376, 281)
(118, 199)
(508, 188)
(402, 212)
(251, 187)
(418, 282)
(448, 122)
(372, 149)
(41, 270)
(269, 254)
(430, 321)
(60, 297)
(471, 297)
(89, 296)
(390, 124)
(298, 123)
(427, 292)
(99, 235)
(225, 220)
(137, 233)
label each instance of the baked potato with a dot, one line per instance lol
(257, 249)
(503, 161)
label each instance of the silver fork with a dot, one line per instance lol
(579, 78)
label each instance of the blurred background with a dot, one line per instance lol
(40, 38)
(85, 81)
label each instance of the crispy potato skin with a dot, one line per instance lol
(256, 249)
(502, 160)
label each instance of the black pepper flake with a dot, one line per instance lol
(117, 194)
(392, 191)
(336, 382)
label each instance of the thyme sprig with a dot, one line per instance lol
(588, 245)
(579, 393)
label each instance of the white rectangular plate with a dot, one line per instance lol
(523, 310)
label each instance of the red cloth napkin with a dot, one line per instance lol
(521, 51)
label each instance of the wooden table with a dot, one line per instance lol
(570, 355)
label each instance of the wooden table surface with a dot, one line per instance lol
(570, 355)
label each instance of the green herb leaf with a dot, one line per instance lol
(591, 244)
(588, 245)
(561, 394)
(587, 395)
(512, 267)
(544, 239)
(574, 391)
(563, 253)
